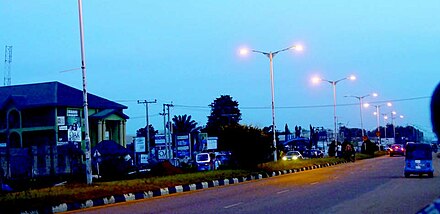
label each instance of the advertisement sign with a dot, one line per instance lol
(212, 142)
(183, 146)
(203, 140)
(144, 158)
(159, 139)
(162, 153)
(73, 126)
(139, 144)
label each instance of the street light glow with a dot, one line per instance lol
(244, 51)
(389, 104)
(316, 80)
(352, 77)
(375, 94)
(299, 48)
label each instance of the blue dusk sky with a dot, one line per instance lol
(186, 53)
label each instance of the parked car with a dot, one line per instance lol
(292, 155)
(224, 159)
(313, 153)
(206, 161)
(397, 149)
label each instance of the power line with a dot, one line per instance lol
(207, 107)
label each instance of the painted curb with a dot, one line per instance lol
(64, 207)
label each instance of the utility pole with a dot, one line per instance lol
(168, 140)
(85, 104)
(147, 121)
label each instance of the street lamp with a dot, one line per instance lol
(333, 83)
(377, 113)
(271, 55)
(85, 103)
(360, 98)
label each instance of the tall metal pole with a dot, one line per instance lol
(86, 111)
(165, 129)
(360, 110)
(274, 140)
(147, 123)
(170, 150)
(334, 110)
(378, 121)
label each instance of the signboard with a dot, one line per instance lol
(159, 139)
(183, 146)
(139, 144)
(203, 140)
(73, 126)
(61, 120)
(162, 153)
(144, 158)
(212, 142)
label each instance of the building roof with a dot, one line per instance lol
(52, 94)
(107, 112)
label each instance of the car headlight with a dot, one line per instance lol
(295, 157)
(284, 158)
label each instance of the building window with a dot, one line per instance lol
(14, 119)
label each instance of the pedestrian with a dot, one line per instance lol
(339, 150)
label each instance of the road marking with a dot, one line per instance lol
(284, 191)
(232, 205)
(314, 183)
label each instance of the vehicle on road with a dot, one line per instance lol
(396, 149)
(313, 153)
(418, 160)
(292, 155)
(205, 161)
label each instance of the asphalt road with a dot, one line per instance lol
(367, 186)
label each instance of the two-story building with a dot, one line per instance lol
(42, 128)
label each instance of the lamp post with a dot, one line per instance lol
(360, 98)
(377, 113)
(271, 55)
(85, 104)
(333, 83)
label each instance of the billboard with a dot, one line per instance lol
(139, 144)
(159, 139)
(212, 142)
(183, 148)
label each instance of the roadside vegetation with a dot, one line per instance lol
(78, 192)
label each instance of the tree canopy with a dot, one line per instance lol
(224, 112)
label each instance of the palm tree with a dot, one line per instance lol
(183, 124)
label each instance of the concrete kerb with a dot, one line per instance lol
(169, 190)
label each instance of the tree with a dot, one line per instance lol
(142, 132)
(224, 112)
(183, 124)
(249, 145)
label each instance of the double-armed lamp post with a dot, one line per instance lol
(271, 55)
(333, 83)
(361, 105)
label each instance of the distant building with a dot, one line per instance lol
(42, 128)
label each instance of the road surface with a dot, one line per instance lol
(368, 186)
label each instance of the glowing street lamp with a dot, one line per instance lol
(333, 83)
(360, 98)
(271, 55)
(377, 113)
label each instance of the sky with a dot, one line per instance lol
(186, 53)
